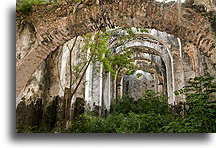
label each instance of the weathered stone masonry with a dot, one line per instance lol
(54, 29)
(185, 49)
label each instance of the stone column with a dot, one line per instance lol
(107, 92)
(113, 90)
(97, 87)
(88, 88)
(119, 85)
(178, 71)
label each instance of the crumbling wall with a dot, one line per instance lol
(44, 97)
(43, 91)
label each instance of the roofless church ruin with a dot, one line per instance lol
(93, 58)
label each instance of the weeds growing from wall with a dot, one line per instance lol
(25, 6)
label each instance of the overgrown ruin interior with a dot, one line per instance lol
(62, 70)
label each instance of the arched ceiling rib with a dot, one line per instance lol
(143, 49)
(157, 50)
(68, 21)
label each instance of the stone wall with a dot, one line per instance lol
(45, 55)
(71, 19)
(45, 94)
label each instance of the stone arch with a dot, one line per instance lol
(142, 49)
(70, 20)
(166, 58)
(155, 64)
(148, 68)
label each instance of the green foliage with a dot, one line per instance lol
(26, 5)
(130, 32)
(119, 123)
(151, 102)
(131, 72)
(152, 114)
(201, 109)
(198, 86)
(76, 1)
(102, 53)
(127, 116)
(111, 63)
(143, 123)
(28, 129)
(180, 125)
(143, 30)
(123, 105)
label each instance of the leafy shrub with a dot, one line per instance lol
(127, 116)
(80, 124)
(179, 125)
(151, 102)
(143, 123)
(123, 105)
(201, 113)
(152, 114)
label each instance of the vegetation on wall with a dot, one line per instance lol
(151, 113)
(26, 5)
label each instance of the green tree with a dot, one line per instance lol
(200, 103)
